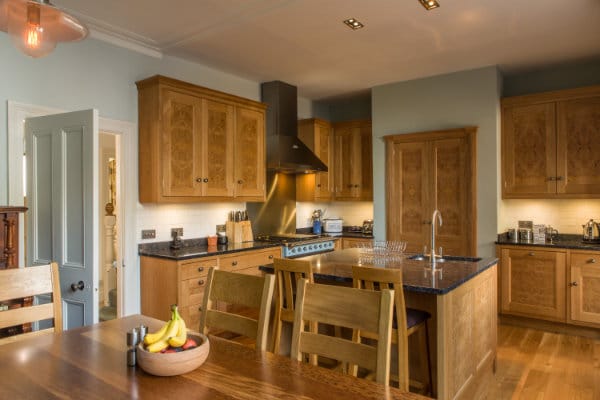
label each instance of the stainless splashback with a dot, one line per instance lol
(278, 213)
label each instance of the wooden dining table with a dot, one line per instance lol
(91, 363)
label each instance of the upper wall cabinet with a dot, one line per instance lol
(346, 149)
(317, 134)
(550, 146)
(353, 160)
(197, 144)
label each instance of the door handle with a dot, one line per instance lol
(77, 286)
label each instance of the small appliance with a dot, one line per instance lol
(591, 232)
(332, 225)
(367, 228)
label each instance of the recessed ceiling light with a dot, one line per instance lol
(430, 4)
(353, 23)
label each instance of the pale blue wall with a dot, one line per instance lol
(93, 74)
(468, 98)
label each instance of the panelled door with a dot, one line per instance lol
(61, 152)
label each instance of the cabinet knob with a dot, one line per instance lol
(201, 282)
(240, 181)
(531, 253)
(234, 263)
(199, 180)
(559, 178)
(573, 284)
(592, 261)
(205, 180)
(355, 186)
(200, 269)
(270, 256)
(200, 308)
(319, 185)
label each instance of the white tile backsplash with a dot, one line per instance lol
(565, 215)
(197, 220)
(352, 212)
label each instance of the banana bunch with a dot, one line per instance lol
(173, 333)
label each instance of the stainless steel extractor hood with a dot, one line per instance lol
(285, 152)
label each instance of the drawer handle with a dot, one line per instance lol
(200, 269)
(234, 263)
(199, 180)
(205, 180)
(240, 181)
(573, 284)
(532, 254)
(201, 282)
(592, 261)
(271, 257)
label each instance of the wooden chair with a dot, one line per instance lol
(346, 307)
(235, 289)
(25, 282)
(414, 320)
(287, 272)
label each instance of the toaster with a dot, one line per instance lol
(332, 225)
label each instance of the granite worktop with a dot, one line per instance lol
(562, 241)
(418, 276)
(347, 231)
(194, 248)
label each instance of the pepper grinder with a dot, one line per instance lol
(133, 338)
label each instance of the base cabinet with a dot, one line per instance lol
(560, 285)
(584, 288)
(165, 282)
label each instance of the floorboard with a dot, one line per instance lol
(540, 365)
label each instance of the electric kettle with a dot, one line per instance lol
(591, 231)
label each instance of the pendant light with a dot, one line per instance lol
(36, 26)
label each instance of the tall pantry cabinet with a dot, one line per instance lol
(428, 171)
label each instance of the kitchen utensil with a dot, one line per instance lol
(591, 231)
(551, 234)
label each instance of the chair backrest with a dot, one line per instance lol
(18, 283)
(344, 307)
(387, 278)
(287, 273)
(235, 289)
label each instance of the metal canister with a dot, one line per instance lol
(511, 235)
(525, 235)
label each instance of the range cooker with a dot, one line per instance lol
(298, 245)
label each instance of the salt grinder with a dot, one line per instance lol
(133, 338)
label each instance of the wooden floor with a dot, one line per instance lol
(535, 364)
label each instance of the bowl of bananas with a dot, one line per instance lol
(172, 350)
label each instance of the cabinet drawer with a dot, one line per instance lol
(191, 316)
(191, 291)
(244, 260)
(196, 268)
(582, 259)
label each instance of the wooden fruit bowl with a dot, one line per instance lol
(169, 364)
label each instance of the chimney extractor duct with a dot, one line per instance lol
(285, 152)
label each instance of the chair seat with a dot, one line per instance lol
(413, 318)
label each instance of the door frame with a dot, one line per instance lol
(126, 207)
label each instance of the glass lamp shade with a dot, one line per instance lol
(35, 27)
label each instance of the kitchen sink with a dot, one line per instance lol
(425, 257)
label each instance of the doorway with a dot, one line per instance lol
(121, 133)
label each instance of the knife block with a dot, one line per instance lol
(239, 232)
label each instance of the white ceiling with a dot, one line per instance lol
(305, 43)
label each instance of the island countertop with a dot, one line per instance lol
(418, 276)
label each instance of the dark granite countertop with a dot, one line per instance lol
(418, 275)
(562, 241)
(348, 232)
(194, 248)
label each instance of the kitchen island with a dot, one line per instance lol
(460, 294)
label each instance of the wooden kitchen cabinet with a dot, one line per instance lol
(197, 144)
(348, 242)
(549, 144)
(533, 282)
(428, 171)
(164, 282)
(353, 160)
(584, 288)
(317, 135)
(250, 167)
